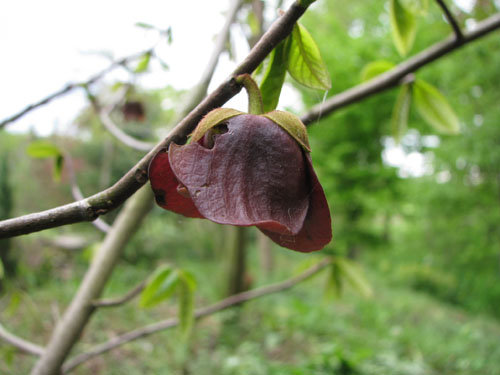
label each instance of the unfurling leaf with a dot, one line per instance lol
(375, 68)
(274, 76)
(186, 288)
(403, 27)
(417, 7)
(143, 64)
(161, 285)
(434, 108)
(399, 119)
(43, 150)
(354, 276)
(305, 63)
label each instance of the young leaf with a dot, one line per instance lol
(42, 150)
(143, 64)
(186, 288)
(417, 7)
(144, 25)
(375, 68)
(434, 108)
(160, 286)
(354, 276)
(403, 27)
(305, 63)
(333, 287)
(274, 76)
(58, 167)
(399, 119)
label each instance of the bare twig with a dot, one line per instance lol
(231, 301)
(71, 86)
(90, 208)
(111, 302)
(77, 193)
(453, 22)
(22, 344)
(136, 144)
(394, 76)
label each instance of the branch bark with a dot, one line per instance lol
(231, 301)
(91, 208)
(112, 302)
(22, 344)
(452, 21)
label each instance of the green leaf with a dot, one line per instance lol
(186, 288)
(143, 64)
(352, 274)
(403, 27)
(333, 287)
(274, 76)
(43, 149)
(58, 167)
(144, 25)
(375, 68)
(305, 63)
(434, 108)
(417, 7)
(161, 285)
(399, 119)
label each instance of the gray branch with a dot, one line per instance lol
(72, 86)
(25, 346)
(231, 301)
(111, 302)
(394, 76)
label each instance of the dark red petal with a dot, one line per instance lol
(317, 230)
(254, 175)
(165, 187)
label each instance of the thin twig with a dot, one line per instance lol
(71, 86)
(453, 22)
(92, 207)
(111, 302)
(22, 344)
(231, 301)
(77, 194)
(396, 75)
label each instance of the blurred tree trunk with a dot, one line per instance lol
(238, 281)
(6, 203)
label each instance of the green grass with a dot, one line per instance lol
(298, 332)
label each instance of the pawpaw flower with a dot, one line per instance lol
(247, 170)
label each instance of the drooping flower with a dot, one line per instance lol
(247, 170)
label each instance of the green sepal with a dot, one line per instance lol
(213, 118)
(292, 125)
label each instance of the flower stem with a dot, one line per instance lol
(255, 106)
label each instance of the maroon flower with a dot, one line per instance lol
(247, 170)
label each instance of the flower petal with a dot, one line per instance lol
(317, 230)
(255, 174)
(165, 187)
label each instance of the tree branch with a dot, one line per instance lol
(231, 301)
(452, 21)
(111, 302)
(22, 344)
(71, 86)
(77, 193)
(394, 76)
(90, 208)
